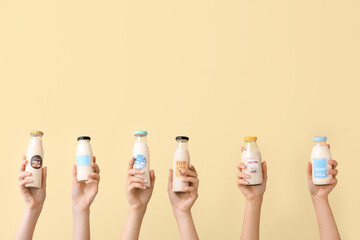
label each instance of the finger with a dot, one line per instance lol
(309, 171)
(137, 180)
(241, 166)
(24, 182)
(96, 168)
(242, 149)
(243, 175)
(333, 181)
(264, 167)
(91, 181)
(131, 163)
(190, 173)
(94, 176)
(152, 178)
(94, 159)
(134, 171)
(136, 185)
(22, 175)
(328, 146)
(333, 163)
(23, 164)
(188, 189)
(192, 168)
(170, 180)
(192, 180)
(242, 182)
(333, 172)
(44, 177)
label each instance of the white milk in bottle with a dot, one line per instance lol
(142, 155)
(251, 157)
(84, 158)
(181, 162)
(320, 156)
(35, 155)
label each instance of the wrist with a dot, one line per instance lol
(180, 213)
(317, 198)
(138, 209)
(80, 208)
(34, 207)
(255, 200)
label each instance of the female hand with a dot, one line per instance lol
(34, 197)
(251, 192)
(183, 201)
(84, 193)
(137, 194)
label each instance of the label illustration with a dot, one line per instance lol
(83, 160)
(180, 166)
(253, 165)
(36, 161)
(320, 168)
(140, 161)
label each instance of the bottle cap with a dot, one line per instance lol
(84, 138)
(179, 138)
(140, 133)
(250, 138)
(320, 138)
(36, 133)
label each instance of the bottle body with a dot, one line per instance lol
(34, 156)
(84, 158)
(320, 156)
(141, 154)
(181, 163)
(251, 157)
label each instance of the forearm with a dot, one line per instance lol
(251, 223)
(131, 230)
(28, 223)
(81, 224)
(186, 225)
(326, 222)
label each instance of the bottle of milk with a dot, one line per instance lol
(142, 155)
(181, 162)
(320, 156)
(251, 157)
(35, 156)
(84, 158)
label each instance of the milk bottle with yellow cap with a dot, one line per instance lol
(34, 156)
(142, 155)
(320, 156)
(251, 157)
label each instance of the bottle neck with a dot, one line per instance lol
(140, 139)
(251, 145)
(182, 146)
(84, 141)
(320, 144)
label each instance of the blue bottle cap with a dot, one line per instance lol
(320, 138)
(140, 133)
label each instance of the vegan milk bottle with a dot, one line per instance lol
(84, 158)
(34, 156)
(142, 155)
(320, 156)
(251, 157)
(181, 162)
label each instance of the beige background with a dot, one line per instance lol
(213, 70)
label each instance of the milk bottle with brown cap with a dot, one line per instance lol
(142, 155)
(84, 158)
(34, 156)
(320, 156)
(181, 163)
(251, 157)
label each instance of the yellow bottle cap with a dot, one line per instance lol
(250, 138)
(36, 133)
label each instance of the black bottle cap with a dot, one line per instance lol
(178, 138)
(84, 138)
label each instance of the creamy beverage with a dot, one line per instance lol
(181, 163)
(142, 155)
(84, 158)
(34, 156)
(251, 157)
(320, 156)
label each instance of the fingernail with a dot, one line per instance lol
(145, 187)
(145, 180)
(183, 171)
(142, 171)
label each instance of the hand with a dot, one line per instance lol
(322, 191)
(84, 193)
(137, 193)
(183, 201)
(34, 197)
(251, 192)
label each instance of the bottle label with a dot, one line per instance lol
(36, 161)
(83, 160)
(320, 168)
(180, 166)
(253, 165)
(140, 161)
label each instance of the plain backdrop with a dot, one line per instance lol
(215, 71)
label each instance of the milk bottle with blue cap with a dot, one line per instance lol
(84, 158)
(142, 155)
(320, 156)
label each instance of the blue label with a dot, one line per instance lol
(320, 168)
(140, 161)
(83, 160)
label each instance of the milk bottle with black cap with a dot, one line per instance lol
(84, 158)
(34, 156)
(181, 163)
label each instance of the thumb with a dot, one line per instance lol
(74, 173)
(44, 177)
(170, 179)
(152, 178)
(309, 171)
